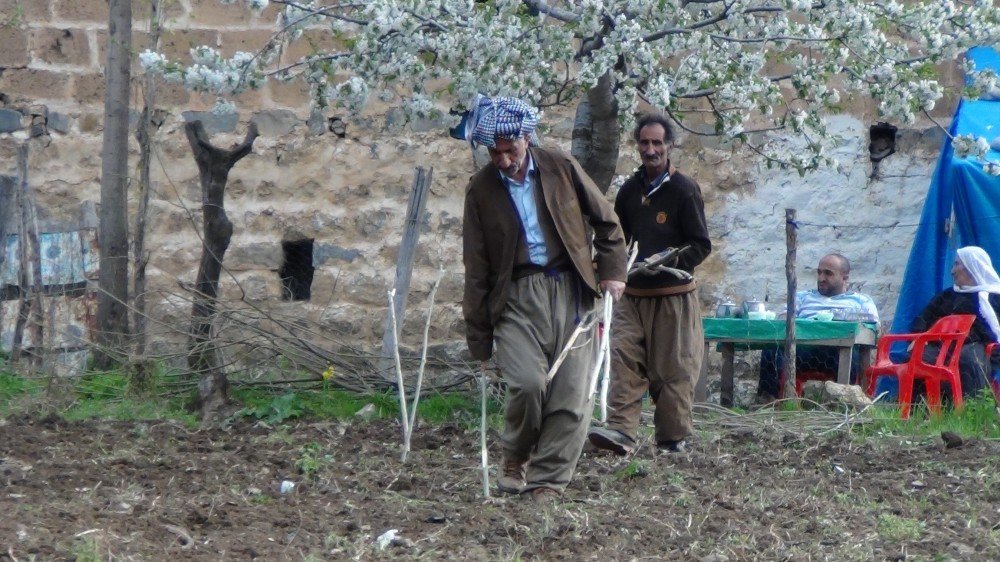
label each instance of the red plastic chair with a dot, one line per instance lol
(948, 332)
(994, 384)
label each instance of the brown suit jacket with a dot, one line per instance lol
(492, 228)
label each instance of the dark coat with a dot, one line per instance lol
(491, 231)
(673, 217)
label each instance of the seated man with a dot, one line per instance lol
(831, 296)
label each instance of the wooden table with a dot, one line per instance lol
(730, 333)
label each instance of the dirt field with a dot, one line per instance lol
(160, 491)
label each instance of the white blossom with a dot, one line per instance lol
(223, 107)
(783, 67)
(152, 62)
(992, 168)
(969, 146)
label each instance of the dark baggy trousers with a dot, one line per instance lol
(545, 423)
(657, 345)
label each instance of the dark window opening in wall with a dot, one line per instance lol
(297, 270)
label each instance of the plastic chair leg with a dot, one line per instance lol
(956, 394)
(905, 396)
(933, 389)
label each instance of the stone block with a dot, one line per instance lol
(140, 42)
(10, 120)
(176, 44)
(249, 40)
(171, 94)
(82, 10)
(13, 47)
(249, 100)
(253, 256)
(346, 320)
(213, 12)
(421, 125)
(275, 122)
(325, 253)
(34, 84)
(214, 123)
(293, 94)
(373, 223)
(61, 46)
(58, 122)
(909, 141)
(90, 123)
(256, 287)
(32, 11)
(88, 89)
(316, 122)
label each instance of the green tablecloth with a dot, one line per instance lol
(774, 330)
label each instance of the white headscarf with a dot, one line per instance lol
(977, 263)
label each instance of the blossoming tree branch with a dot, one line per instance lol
(744, 70)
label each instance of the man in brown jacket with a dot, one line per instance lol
(531, 275)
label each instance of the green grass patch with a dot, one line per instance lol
(634, 469)
(978, 418)
(898, 529)
(13, 386)
(274, 407)
(312, 459)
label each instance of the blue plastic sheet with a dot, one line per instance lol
(958, 186)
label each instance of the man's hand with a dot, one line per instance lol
(616, 288)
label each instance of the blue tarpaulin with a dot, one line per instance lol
(962, 206)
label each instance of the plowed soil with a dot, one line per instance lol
(162, 491)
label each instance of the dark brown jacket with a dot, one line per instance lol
(491, 231)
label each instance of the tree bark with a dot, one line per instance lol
(112, 313)
(144, 133)
(596, 135)
(213, 167)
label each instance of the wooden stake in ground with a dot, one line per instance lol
(423, 354)
(790, 254)
(404, 419)
(213, 165)
(27, 255)
(484, 452)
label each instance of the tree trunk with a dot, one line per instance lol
(596, 135)
(112, 313)
(213, 166)
(144, 133)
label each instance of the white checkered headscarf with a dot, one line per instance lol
(499, 118)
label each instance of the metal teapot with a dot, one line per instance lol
(726, 310)
(752, 305)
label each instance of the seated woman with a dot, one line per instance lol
(976, 291)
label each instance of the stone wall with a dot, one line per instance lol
(349, 193)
